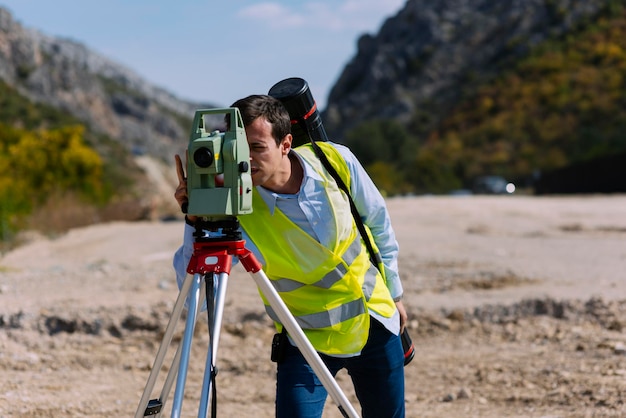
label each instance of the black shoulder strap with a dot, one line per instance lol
(374, 256)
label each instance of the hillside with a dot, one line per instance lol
(451, 90)
(431, 54)
(563, 105)
(446, 91)
(109, 98)
(59, 88)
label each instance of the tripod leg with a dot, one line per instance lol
(216, 296)
(307, 350)
(167, 339)
(194, 297)
(171, 376)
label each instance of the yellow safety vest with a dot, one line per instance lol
(328, 290)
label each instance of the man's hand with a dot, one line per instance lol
(403, 315)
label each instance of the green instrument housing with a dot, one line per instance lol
(212, 155)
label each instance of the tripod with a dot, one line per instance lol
(210, 266)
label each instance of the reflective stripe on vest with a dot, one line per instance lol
(325, 319)
(333, 276)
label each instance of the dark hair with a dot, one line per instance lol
(257, 105)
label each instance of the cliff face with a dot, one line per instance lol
(106, 96)
(432, 52)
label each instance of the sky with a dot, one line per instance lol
(216, 51)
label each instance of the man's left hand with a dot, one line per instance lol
(403, 315)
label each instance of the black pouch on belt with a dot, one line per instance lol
(279, 346)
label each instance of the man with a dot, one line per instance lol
(303, 233)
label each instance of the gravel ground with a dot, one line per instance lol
(517, 308)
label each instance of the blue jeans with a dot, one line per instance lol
(377, 375)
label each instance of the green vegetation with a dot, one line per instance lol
(51, 164)
(564, 103)
(35, 165)
(384, 148)
(16, 110)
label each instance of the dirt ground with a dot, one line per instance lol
(517, 307)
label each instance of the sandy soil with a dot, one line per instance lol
(517, 307)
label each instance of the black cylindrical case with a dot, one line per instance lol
(306, 122)
(407, 347)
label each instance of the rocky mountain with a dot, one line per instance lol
(431, 53)
(424, 62)
(106, 96)
(423, 59)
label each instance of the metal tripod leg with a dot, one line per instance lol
(183, 364)
(216, 288)
(217, 291)
(154, 408)
(215, 305)
(307, 350)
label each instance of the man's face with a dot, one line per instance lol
(265, 156)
